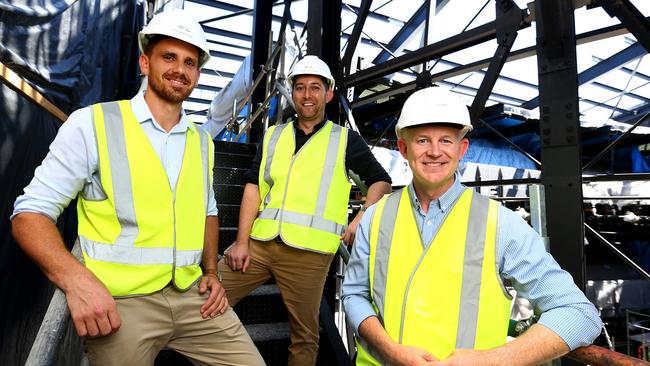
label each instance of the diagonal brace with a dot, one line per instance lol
(509, 19)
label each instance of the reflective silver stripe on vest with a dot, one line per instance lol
(270, 152)
(121, 173)
(137, 255)
(205, 159)
(296, 218)
(328, 169)
(472, 270)
(382, 255)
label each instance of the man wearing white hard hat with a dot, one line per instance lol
(293, 214)
(425, 284)
(147, 228)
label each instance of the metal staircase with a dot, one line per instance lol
(262, 312)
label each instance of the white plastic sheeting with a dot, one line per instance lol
(221, 107)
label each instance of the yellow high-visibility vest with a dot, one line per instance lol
(443, 297)
(304, 197)
(144, 234)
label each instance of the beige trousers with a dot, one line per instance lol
(300, 275)
(171, 318)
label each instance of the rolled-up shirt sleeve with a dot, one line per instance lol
(356, 285)
(536, 276)
(64, 172)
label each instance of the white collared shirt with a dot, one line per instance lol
(72, 161)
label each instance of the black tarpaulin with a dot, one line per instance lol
(75, 53)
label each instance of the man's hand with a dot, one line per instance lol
(410, 356)
(351, 231)
(92, 307)
(217, 303)
(236, 256)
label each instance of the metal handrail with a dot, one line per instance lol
(265, 69)
(52, 327)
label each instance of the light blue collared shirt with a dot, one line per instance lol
(72, 165)
(522, 261)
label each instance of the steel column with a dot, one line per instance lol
(331, 50)
(560, 134)
(315, 26)
(262, 12)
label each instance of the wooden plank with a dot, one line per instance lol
(15, 82)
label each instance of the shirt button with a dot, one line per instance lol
(428, 222)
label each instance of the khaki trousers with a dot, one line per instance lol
(300, 275)
(171, 318)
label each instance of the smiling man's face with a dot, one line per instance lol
(433, 153)
(310, 95)
(172, 67)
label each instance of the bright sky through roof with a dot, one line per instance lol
(519, 78)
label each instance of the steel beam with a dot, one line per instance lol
(452, 44)
(560, 134)
(613, 62)
(346, 62)
(261, 24)
(617, 141)
(635, 115)
(508, 19)
(583, 38)
(612, 89)
(404, 33)
(447, 46)
(630, 17)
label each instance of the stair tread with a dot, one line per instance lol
(268, 331)
(265, 290)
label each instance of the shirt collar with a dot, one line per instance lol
(444, 202)
(143, 114)
(316, 128)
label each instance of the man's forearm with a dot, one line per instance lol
(211, 244)
(376, 336)
(537, 345)
(248, 211)
(374, 333)
(376, 191)
(39, 238)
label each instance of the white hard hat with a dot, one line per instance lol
(177, 23)
(434, 105)
(311, 65)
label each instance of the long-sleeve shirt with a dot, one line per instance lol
(522, 261)
(72, 164)
(358, 158)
